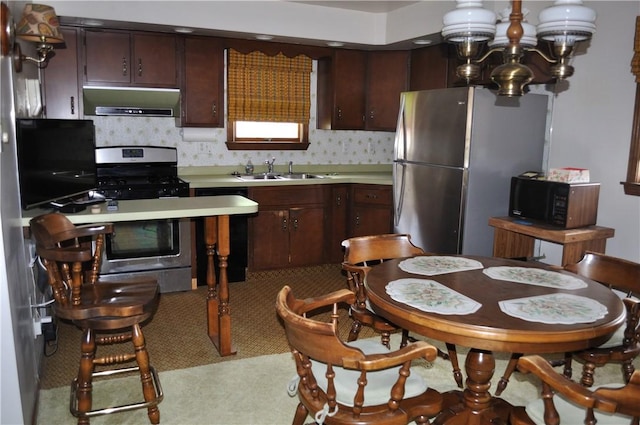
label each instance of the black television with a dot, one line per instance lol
(56, 162)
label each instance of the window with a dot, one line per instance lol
(268, 101)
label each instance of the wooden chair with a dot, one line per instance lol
(623, 277)
(360, 254)
(359, 382)
(72, 256)
(574, 403)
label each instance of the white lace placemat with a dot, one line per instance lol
(533, 276)
(559, 308)
(431, 296)
(431, 265)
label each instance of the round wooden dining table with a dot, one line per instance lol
(481, 323)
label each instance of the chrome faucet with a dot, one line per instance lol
(290, 167)
(270, 165)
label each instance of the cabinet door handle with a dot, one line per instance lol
(357, 219)
(124, 66)
(139, 67)
(339, 200)
(214, 109)
(295, 223)
(371, 114)
(372, 196)
(339, 113)
(284, 224)
(72, 105)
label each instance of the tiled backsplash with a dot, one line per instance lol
(326, 146)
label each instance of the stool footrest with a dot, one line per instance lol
(73, 407)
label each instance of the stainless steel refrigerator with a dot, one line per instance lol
(455, 153)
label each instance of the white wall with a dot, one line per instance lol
(591, 125)
(20, 352)
(592, 117)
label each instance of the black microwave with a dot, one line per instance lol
(566, 205)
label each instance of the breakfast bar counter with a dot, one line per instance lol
(216, 210)
(161, 208)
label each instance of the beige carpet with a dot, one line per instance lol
(177, 336)
(242, 392)
(249, 388)
(250, 391)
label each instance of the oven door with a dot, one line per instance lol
(159, 248)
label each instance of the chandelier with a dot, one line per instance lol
(470, 27)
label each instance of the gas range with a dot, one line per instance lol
(139, 172)
(154, 248)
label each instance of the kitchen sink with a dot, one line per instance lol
(275, 176)
(298, 176)
(261, 176)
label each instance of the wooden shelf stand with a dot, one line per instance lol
(515, 238)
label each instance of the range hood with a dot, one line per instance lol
(131, 101)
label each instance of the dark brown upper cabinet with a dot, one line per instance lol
(202, 83)
(60, 80)
(341, 90)
(359, 90)
(125, 58)
(430, 67)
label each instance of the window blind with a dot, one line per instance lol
(268, 88)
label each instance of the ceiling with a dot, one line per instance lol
(367, 6)
(361, 5)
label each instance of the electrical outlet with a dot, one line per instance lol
(37, 327)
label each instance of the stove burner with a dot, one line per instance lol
(122, 177)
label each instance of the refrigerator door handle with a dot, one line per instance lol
(399, 171)
(401, 132)
(399, 163)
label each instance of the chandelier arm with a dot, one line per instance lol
(489, 53)
(544, 55)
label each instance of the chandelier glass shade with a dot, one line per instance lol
(471, 28)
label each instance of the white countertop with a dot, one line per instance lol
(163, 208)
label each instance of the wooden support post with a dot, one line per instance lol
(218, 308)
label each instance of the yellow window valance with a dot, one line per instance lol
(268, 88)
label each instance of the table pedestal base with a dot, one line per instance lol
(475, 405)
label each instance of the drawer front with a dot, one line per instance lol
(373, 194)
(287, 196)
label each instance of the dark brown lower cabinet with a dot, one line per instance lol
(371, 209)
(289, 229)
(300, 226)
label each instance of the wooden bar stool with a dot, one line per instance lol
(107, 312)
